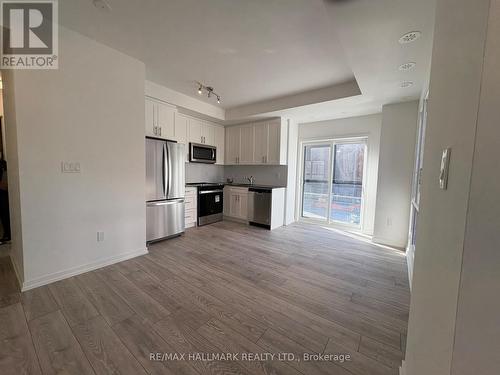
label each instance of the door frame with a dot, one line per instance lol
(300, 181)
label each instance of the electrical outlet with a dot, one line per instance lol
(389, 221)
(100, 236)
(70, 167)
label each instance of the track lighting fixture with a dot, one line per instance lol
(209, 90)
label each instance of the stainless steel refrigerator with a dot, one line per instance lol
(165, 187)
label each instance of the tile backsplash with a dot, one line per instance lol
(263, 174)
(198, 172)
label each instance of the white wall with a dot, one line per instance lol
(478, 327)
(452, 116)
(12, 158)
(395, 171)
(292, 163)
(91, 110)
(368, 126)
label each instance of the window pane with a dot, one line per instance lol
(316, 185)
(347, 185)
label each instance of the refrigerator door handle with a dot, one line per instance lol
(169, 173)
(163, 170)
(165, 203)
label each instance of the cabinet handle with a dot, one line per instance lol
(155, 131)
(159, 128)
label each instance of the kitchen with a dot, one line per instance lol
(198, 158)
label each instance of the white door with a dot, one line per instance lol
(243, 202)
(246, 144)
(166, 121)
(234, 204)
(232, 145)
(195, 132)
(181, 128)
(208, 134)
(274, 139)
(150, 119)
(219, 143)
(260, 148)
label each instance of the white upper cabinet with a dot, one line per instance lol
(258, 143)
(166, 120)
(260, 149)
(160, 119)
(201, 132)
(208, 134)
(151, 128)
(219, 143)
(195, 132)
(232, 145)
(181, 128)
(163, 121)
(275, 146)
(246, 144)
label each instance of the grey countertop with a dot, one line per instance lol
(242, 185)
(255, 185)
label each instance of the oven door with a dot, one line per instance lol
(202, 153)
(210, 204)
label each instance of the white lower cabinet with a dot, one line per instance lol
(236, 202)
(191, 207)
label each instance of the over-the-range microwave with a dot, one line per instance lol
(199, 153)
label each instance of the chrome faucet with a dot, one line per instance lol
(251, 180)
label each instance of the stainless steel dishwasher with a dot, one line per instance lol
(259, 206)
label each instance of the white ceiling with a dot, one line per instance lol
(307, 59)
(369, 31)
(247, 50)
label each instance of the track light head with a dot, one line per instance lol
(209, 90)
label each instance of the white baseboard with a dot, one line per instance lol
(60, 275)
(396, 244)
(410, 260)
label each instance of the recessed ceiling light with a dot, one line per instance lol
(102, 5)
(406, 84)
(410, 37)
(407, 66)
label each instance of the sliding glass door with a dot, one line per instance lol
(332, 186)
(316, 184)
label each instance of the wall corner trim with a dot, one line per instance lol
(16, 271)
(60, 275)
(402, 370)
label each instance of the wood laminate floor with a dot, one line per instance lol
(222, 288)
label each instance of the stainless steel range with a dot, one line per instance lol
(210, 202)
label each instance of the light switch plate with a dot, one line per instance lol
(70, 167)
(445, 166)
